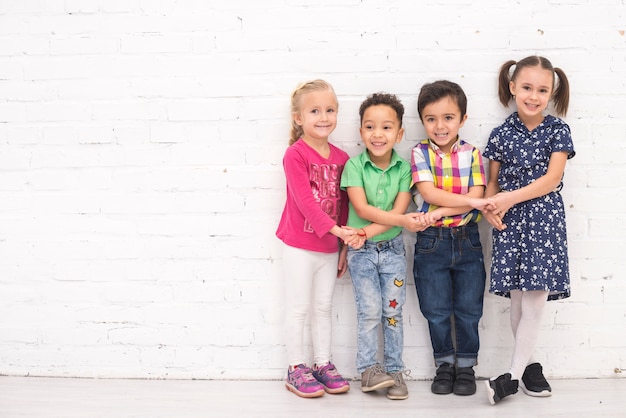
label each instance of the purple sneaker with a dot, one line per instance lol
(328, 376)
(301, 382)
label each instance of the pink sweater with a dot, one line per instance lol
(315, 202)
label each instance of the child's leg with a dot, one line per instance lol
(468, 282)
(433, 282)
(321, 316)
(298, 275)
(531, 304)
(392, 268)
(367, 295)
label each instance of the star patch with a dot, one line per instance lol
(392, 322)
(393, 303)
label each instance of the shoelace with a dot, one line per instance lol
(303, 373)
(378, 369)
(397, 376)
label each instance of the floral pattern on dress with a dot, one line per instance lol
(531, 253)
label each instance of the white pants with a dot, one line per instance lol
(310, 279)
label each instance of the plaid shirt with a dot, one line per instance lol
(455, 172)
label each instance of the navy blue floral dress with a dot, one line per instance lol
(531, 253)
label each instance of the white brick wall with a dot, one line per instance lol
(141, 179)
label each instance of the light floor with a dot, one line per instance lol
(87, 398)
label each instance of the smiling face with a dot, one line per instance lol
(380, 131)
(442, 121)
(532, 89)
(318, 115)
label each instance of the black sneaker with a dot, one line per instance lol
(443, 382)
(533, 382)
(465, 382)
(500, 387)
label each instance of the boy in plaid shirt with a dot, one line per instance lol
(448, 185)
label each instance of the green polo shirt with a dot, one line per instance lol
(381, 187)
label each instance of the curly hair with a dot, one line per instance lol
(382, 98)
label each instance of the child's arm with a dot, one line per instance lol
(342, 264)
(394, 217)
(474, 192)
(443, 198)
(344, 233)
(493, 188)
(540, 187)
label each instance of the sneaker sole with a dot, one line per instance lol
(542, 394)
(491, 394)
(317, 394)
(397, 397)
(464, 392)
(441, 391)
(335, 391)
(381, 385)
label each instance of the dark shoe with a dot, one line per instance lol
(534, 383)
(465, 383)
(500, 387)
(443, 382)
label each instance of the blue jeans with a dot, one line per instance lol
(450, 277)
(378, 272)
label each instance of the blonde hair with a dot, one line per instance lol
(560, 95)
(296, 103)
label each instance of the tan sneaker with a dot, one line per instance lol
(399, 390)
(374, 378)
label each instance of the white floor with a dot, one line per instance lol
(87, 398)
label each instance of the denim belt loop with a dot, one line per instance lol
(454, 231)
(382, 245)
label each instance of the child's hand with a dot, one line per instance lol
(347, 233)
(494, 217)
(501, 203)
(434, 216)
(358, 243)
(482, 204)
(417, 222)
(355, 241)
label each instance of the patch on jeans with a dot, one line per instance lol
(392, 322)
(393, 303)
(398, 283)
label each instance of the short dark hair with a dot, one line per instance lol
(437, 90)
(383, 99)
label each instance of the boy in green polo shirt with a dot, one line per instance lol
(378, 183)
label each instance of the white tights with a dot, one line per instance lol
(309, 279)
(526, 312)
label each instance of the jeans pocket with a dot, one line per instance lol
(426, 244)
(398, 248)
(473, 241)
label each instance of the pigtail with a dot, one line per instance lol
(504, 80)
(561, 93)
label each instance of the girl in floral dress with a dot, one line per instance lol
(527, 154)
